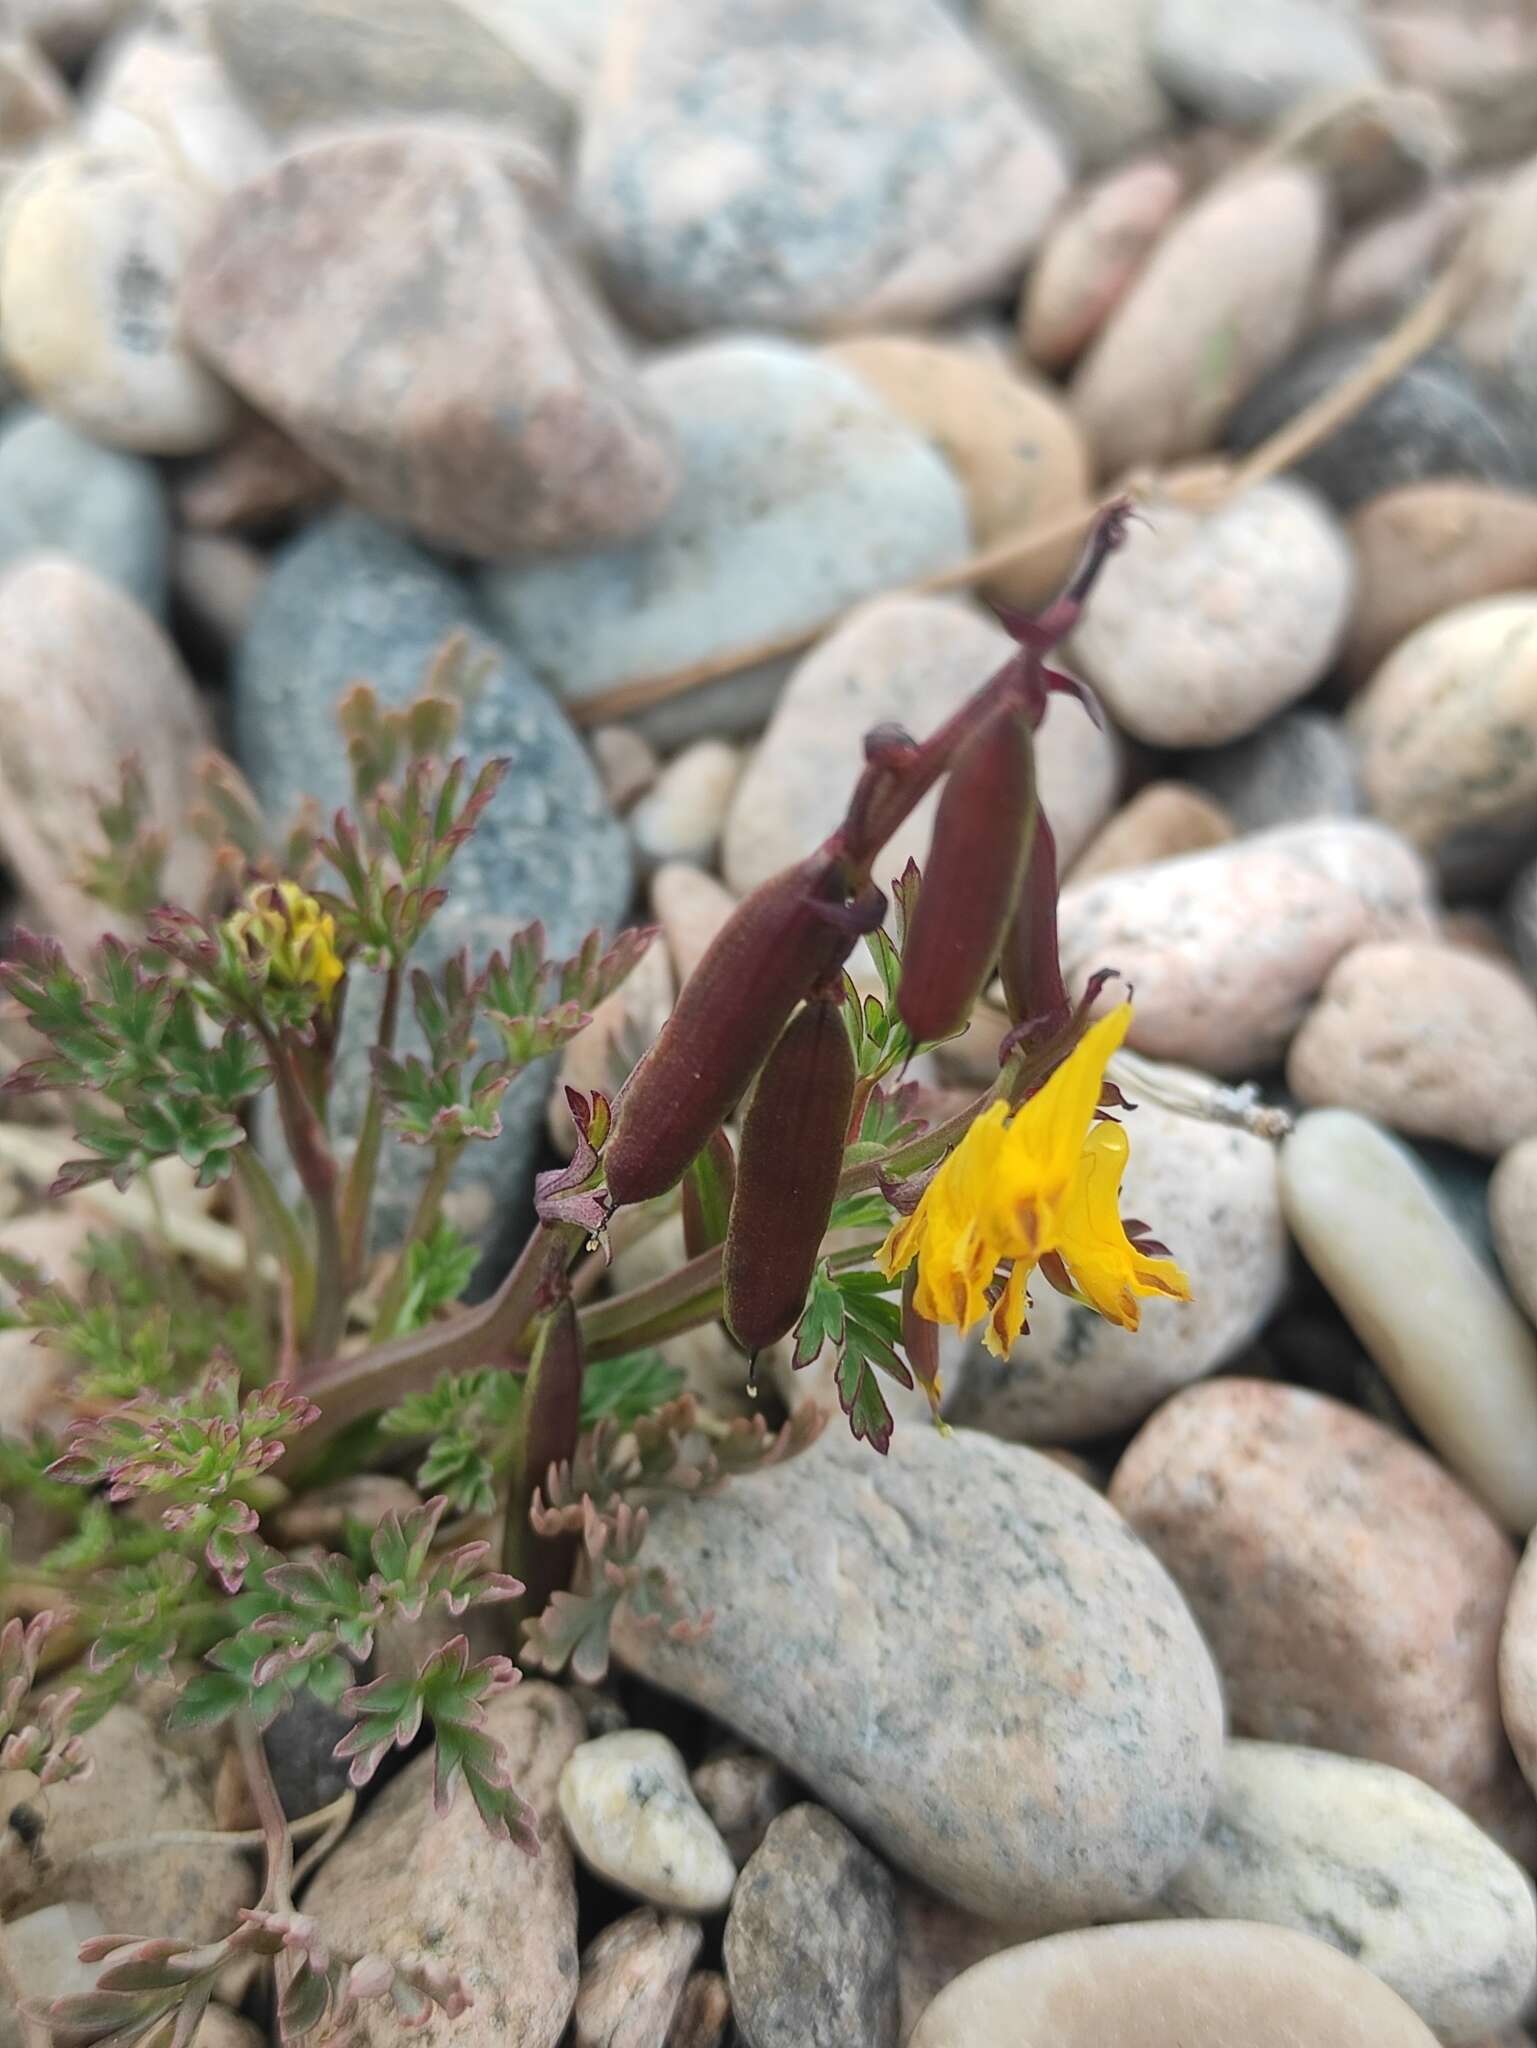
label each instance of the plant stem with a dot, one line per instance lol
(357, 1198)
(315, 1164)
(544, 1434)
(269, 1810)
(282, 1228)
(429, 1204)
(492, 1334)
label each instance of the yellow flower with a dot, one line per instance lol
(1042, 1183)
(289, 934)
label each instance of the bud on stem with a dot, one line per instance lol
(780, 942)
(982, 836)
(787, 1176)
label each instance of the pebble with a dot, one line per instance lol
(721, 193)
(704, 2013)
(86, 679)
(320, 1514)
(304, 67)
(1426, 1306)
(1219, 302)
(1519, 917)
(1076, 1795)
(165, 96)
(622, 1027)
(1377, 145)
(349, 599)
(1090, 256)
(626, 761)
(1486, 79)
(690, 906)
(1448, 726)
(1163, 820)
(1384, 265)
(1518, 1666)
(49, 1841)
(811, 1939)
(935, 1943)
(40, 1959)
(742, 1793)
(1012, 443)
(67, 30)
(802, 492)
(1209, 621)
(1428, 1039)
(259, 480)
(217, 581)
(1494, 326)
(1247, 66)
(1171, 1986)
(633, 1818)
(1513, 1221)
(633, 1976)
(106, 510)
(34, 100)
(407, 1879)
(1430, 548)
(1087, 62)
(1379, 1866)
(1350, 1590)
(1439, 417)
(1225, 949)
(92, 260)
(683, 815)
(486, 425)
(1210, 1193)
(1300, 765)
(909, 661)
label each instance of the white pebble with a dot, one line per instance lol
(633, 1818)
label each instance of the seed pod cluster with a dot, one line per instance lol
(787, 1174)
(790, 934)
(982, 834)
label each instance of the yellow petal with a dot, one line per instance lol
(1008, 1318)
(1106, 1266)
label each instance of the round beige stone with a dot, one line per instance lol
(1209, 621)
(1351, 1591)
(1426, 1037)
(1513, 1220)
(1017, 450)
(1427, 548)
(95, 247)
(1090, 257)
(1226, 948)
(1221, 300)
(1217, 1985)
(1448, 724)
(1162, 820)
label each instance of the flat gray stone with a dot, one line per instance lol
(801, 492)
(348, 601)
(811, 1940)
(64, 493)
(965, 1653)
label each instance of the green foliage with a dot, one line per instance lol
(140, 1325)
(853, 1313)
(127, 874)
(469, 1419)
(438, 1269)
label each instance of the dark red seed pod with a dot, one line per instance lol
(708, 1187)
(787, 1174)
(1028, 962)
(791, 933)
(982, 834)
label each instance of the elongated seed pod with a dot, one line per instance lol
(1028, 961)
(787, 1174)
(788, 935)
(982, 833)
(708, 1187)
